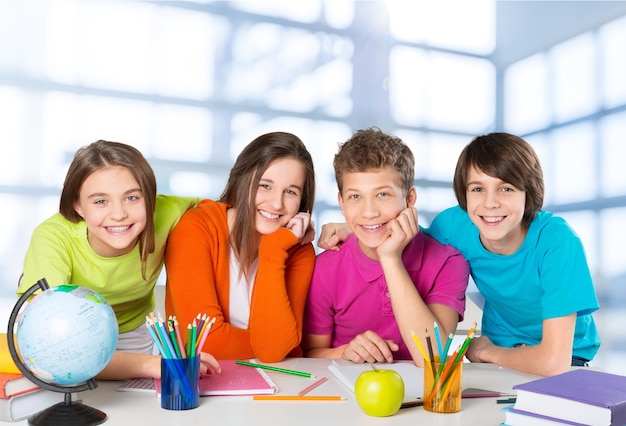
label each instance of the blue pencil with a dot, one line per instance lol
(167, 345)
(438, 338)
(447, 347)
(157, 342)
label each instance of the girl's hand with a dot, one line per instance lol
(208, 364)
(309, 236)
(369, 347)
(299, 224)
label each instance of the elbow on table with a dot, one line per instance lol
(555, 364)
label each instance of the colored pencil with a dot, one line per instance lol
(438, 339)
(298, 398)
(207, 329)
(277, 369)
(179, 339)
(166, 351)
(447, 347)
(194, 336)
(155, 338)
(188, 340)
(419, 345)
(313, 386)
(431, 354)
(465, 345)
(445, 391)
(172, 334)
(167, 346)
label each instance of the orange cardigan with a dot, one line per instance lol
(198, 281)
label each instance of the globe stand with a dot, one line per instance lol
(68, 412)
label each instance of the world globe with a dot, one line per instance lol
(60, 340)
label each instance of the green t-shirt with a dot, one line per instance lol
(60, 253)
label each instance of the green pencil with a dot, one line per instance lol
(277, 369)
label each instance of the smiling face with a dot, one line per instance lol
(496, 208)
(369, 200)
(278, 195)
(113, 207)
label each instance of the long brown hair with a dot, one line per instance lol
(244, 178)
(101, 154)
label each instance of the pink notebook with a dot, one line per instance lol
(234, 379)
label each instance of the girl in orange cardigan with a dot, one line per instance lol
(245, 259)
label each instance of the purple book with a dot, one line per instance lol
(581, 395)
(526, 418)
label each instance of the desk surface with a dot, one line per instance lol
(139, 408)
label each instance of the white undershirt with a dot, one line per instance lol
(240, 292)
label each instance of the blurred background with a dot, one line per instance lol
(190, 83)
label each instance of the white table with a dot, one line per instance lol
(143, 408)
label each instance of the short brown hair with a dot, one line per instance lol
(508, 158)
(372, 149)
(101, 154)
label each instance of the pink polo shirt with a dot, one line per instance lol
(348, 293)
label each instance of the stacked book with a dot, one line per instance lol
(19, 397)
(577, 397)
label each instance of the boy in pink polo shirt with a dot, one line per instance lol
(388, 278)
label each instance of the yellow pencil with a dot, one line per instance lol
(419, 346)
(298, 398)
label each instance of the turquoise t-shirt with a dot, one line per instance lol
(546, 277)
(60, 253)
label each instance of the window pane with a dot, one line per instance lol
(575, 90)
(25, 213)
(339, 13)
(585, 224)
(435, 200)
(462, 93)
(613, 150)
(613, 39)
(112, 119)
(304, 11)
(526, 95)
(408, 94)
(425, 89)
(453, 24)
(613, 237)
(190, 184)
(288, 68)
(185, 49)
(115, 58)
(435, 154)
(181, 133)
(13, 155)
(575, 169)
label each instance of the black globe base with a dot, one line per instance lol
(68, 412)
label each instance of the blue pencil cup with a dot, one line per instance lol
(179, 383)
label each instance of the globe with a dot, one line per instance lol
(67, 335)
(60, 340)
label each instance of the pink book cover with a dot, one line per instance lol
(234, 379)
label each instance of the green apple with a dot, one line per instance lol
(379, 392)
